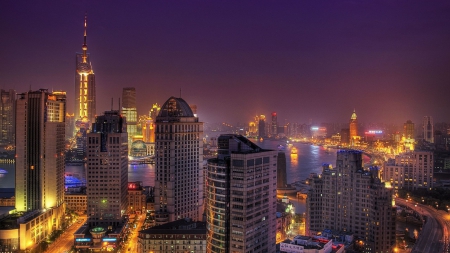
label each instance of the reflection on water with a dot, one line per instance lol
(309, 159)
(7, 175)
(143, 172)
(294, 160)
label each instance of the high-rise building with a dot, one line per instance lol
(70, 125)
(408, 130)
(281, 170)
(410, 171)
(107, 170)
(353, 128)
(274, 125)
(262, 126)
(428, 129)
(129, 111)
(352, 199)
(85, 97)
(7, 117)
(178, 158)
(241, 197)
(40, 150)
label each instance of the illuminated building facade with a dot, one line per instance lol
(353, 128)
(179, 236)
(178, 159)
(408, 130)
(40, 150)
(107, 170)
(39, 188)
(85, 97)
(410, 171)
(241, 197)
(428, 132)
(7, 117)
(154, 111)
(129, 111)
(274, 125)
(351, 199)
(136, 198)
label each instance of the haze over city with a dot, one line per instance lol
(306, 60)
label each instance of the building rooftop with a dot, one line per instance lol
(173, 108)
(183, 226)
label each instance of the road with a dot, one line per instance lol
(434, 234)
(132, 242)
(65, 241)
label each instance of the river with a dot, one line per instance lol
(308, 160)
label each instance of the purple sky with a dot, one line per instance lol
(303, 59)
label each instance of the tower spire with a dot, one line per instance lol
(84, 47)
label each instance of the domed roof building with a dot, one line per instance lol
(138, 149)
(174, 109)
(178, 162)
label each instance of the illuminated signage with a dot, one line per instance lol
(374, 132)
(83, 239)
(314, 128)
(109, 239)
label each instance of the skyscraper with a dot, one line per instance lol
(129, 111)
(274, 126)
(40, 150)
(262, 126)
(84, 83)
(241, 197)
(107, 170)
(179, 158)
(7, 117)
(428, 129)
(352, 199)
(353, 128)
(408, 130)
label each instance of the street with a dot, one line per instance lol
(433, 236)
(132, 243)
(65, 241)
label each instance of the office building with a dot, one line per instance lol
(107, 171)
(352, 199)
(129, 111)
(85, 98)
(39, 150)
(178, 159)
(241, 197)
(410, 171)
(274, 125)
(184, 235)
(7, 117)
(261, 127)
(428, 129)
(408, 130)
(39, 193)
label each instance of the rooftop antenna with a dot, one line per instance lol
(180, 92)
(84, 47)
(112, 101)
(119, 104)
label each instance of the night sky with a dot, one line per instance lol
(390, 60)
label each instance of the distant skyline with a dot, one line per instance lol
(319, 60)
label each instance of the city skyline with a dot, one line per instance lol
(387, 60)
